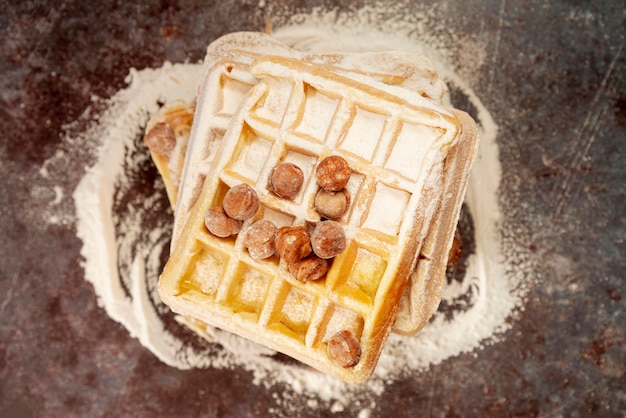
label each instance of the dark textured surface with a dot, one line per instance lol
(554, 80)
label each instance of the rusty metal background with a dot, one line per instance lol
(555, 82)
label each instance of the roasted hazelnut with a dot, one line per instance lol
(333, 173)
(259, 239)
(328, 239)
(293, 243)
(332, 205)
(220, 224)
(161, 139)
(241, 202)
(344, 349)
(286, 180)
(309, 269)
(456, 251)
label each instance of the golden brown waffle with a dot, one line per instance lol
(395, 143)
(168, 143)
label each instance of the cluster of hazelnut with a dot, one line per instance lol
(306, 253)
(240, 203)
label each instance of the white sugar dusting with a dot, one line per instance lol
(94, 195)
(132, 300)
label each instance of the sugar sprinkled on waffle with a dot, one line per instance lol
(228, 79)
(217, 281)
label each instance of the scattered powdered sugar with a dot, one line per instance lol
(124, 221)
(122, 252)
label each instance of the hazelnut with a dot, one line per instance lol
(259, 239)
(328, 239)
(332, 205)
(219, 224)
(286, 180)
(161, 139)
(241, 202)
(293, 243)
(456, 251)
(333, 173)
(344, 349)
(309, 269)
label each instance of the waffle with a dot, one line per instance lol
(423, 294)
(302, 113)
(227, 79)
(168, 142)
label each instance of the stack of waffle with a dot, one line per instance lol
(316, 198)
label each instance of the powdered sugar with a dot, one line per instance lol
(109, 239)
(125, 240)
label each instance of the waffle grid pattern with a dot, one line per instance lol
(261, 296)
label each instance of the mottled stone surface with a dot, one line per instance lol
(554, 77)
